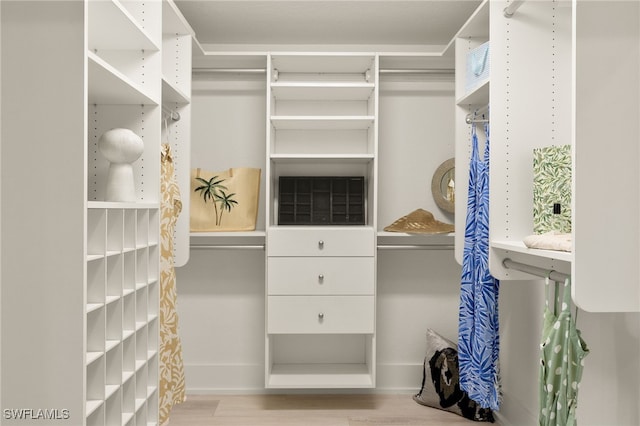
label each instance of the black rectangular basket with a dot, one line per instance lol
(321, 200)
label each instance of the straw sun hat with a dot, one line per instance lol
(420, 222)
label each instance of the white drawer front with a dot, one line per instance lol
(320, 314)
(333, 241)
(320, 275)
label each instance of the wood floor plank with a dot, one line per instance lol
(309, 410)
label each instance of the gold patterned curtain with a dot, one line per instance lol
(172, 388)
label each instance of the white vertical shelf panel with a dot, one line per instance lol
(606, 156)
(471, 35)
(177, 41)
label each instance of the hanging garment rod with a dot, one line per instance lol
(416, 247)
(511, 9)
(534, 270)
(227, 247)
(382, 71)
(229, 70)
(418, 71)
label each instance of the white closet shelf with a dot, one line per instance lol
(92, 256)
(477, 25)
(172, 93)
(93, 405)
(519, 247)
(477, 96)
(126, 417)
(313, 158)
(93, 356)
(107, 85)
(321, 122)
(127, 375)
(322, 91)
(114, 28)
(139, 403)
(119, 205)
(318, 376)
(110, 344)
(391, 239)
(227, 239)
(173, 22)
(318, 63)
(110, 390)
(94, 306)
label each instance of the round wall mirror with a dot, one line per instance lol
(443, 185)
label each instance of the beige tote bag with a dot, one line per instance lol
(224, 201)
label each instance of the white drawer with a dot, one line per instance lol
(320, 275)
(318, 241)
(320, 314)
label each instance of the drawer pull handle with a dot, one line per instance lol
(321, 278)
(321, 316)
(321, 244)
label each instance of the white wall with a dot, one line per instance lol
(221, 292)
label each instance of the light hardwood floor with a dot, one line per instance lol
(309, 410)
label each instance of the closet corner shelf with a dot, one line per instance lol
(172, 93)
(478, 96)
(519, 247)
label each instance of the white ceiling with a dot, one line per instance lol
(345, 22)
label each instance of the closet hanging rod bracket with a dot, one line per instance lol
(471, 120)
(173, 115)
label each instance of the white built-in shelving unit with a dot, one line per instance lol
(544, 67)
(469, 99)
(322, 110)
(122, 287)
(178, 45)
(90, 318)
(532, 93)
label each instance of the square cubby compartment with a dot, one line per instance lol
(321, 200)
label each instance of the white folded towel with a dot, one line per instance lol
(552, 240)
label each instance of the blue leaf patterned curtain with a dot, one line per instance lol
(478, 333)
